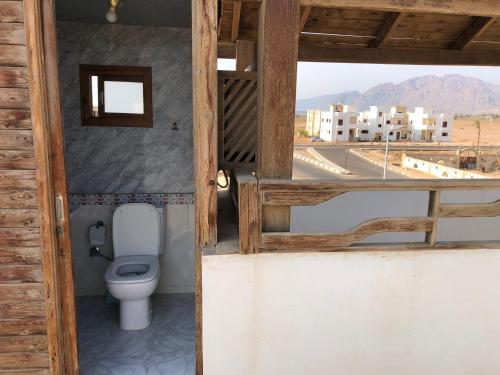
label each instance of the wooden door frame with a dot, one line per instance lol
(41, 43)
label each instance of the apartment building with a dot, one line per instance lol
(339, 124)
(342, 124)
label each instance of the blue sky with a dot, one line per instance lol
(315, 79)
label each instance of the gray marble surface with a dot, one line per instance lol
(129, 160)
(166, 347)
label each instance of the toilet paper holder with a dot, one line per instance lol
(97, 238)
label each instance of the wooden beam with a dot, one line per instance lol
(433, 212)
(33, 12)
(321, 241)
(476, 28)
(64, 252)
(486, 8)
(278, 42)
(245, 55)
(204, 28)
(391, 23)
(403, 56)
(235, 27)
(303, 17)
(471, 210)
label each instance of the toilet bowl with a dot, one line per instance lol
(134, 274)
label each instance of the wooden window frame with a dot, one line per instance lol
(115, 73)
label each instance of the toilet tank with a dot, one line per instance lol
(137, 230)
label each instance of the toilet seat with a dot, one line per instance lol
(119, 273)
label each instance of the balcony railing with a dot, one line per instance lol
(254, 194)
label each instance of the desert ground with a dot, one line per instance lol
(464, 131)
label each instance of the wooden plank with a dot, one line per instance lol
(32, 343)
(16, 159)
(15, 119)
(18, 218)
(35, 360)
(390, 24)
(56, 138)
(460, 7)
(31, 371)
(302, 199)
(11, 11)
(20, 255)
(14, 180)
(18, 199)
(14, 98)
(278, 36)
(13, 77)
(22, 327)
(18, 309)
(245, 54)
(12, 33)
(16, 140)
(433, 212)
(470, 210)
(12, 55)
(403, 56)
(28, 292)
(204, 41)
(317, 241)
(304, 15)
(476, 28)
(321, 186)
(20, 274)
(40, 109)
(248, 211)
(235, 26)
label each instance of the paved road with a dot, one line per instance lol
(303, 170)
(358, 166)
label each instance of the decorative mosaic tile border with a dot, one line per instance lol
(156, 199)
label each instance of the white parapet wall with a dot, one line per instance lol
(419, 312)
(375, 313)
(438, 170)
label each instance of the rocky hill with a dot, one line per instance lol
(449, 94)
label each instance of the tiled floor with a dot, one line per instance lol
(166, 347)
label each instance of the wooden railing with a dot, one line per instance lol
(237, 116)
(254, 194)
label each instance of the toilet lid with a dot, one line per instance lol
(136, 230)
(113, 276)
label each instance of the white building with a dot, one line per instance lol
(313, 124)
(373, 121)
(431, 127)
(339, 124)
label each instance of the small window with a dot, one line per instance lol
(444, 134)
(379, 125)
(339, 132)
(341, 122)
(364, 131)
(391, 133)
(116, 96)
(445, 124)
(388, 122)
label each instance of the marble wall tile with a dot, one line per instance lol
(129, 160)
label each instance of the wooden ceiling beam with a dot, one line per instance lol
(235, 27)
(485, 8)
(304, 15)
(476, 28)
(390, 24)
(403, 56)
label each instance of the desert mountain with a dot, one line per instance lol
(449, 94)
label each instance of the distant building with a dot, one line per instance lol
(313, 124)
(342, 124)
(339, 124)
(430, 127)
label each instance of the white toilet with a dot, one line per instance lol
(132, 277)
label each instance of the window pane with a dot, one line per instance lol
(123, 97)
(95, 96)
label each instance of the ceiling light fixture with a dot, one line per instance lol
(111, 16)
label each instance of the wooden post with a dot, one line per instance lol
(433, 212)
(204, 25)
(245, 55)
(278, 43)
(40, 113)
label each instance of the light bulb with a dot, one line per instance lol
(111, 15)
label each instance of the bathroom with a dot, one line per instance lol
(110, 164)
